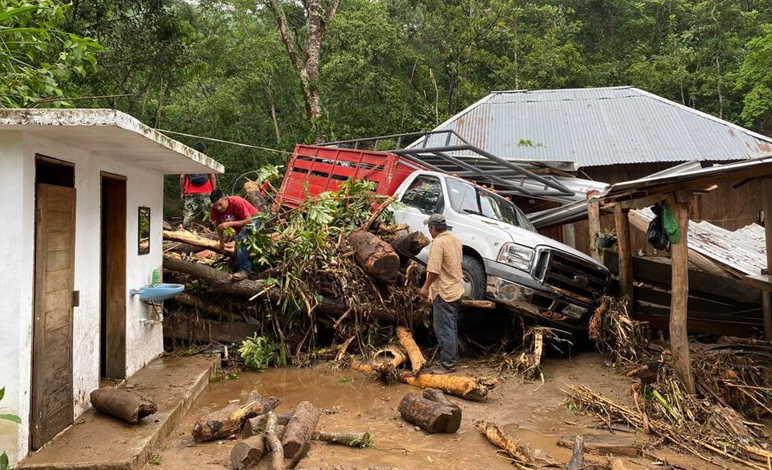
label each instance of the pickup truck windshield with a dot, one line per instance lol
(466, 198)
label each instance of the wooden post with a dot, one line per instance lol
(767, 295)
(679, 298)
(593, 219)
(622, 224)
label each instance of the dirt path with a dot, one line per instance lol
(534, 413)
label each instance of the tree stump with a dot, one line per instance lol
(122, 404)
(430, 415)
(229, 420)
(300, 428)
(247, 453)
(376, 257)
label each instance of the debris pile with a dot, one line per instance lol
(732, 378)
(332, 276)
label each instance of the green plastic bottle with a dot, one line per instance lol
(156, 279)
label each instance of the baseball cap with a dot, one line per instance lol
(436, 219)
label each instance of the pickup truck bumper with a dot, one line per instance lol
(520, 290)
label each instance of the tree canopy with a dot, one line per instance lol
(221, 68)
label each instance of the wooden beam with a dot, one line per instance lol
(593, 218)
(622, 224)
(679, 337)
(767, 295)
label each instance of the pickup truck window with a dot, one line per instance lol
(425, 194)
(466, 198)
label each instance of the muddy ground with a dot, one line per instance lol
(533, 412)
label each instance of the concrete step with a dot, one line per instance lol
(99, 442)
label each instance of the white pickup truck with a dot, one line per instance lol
(505, 259)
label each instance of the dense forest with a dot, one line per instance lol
(270, 73)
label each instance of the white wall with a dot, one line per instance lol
(144, 340)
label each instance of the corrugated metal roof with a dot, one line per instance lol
(598, 126)
(743, 250)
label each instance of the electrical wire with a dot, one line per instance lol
(224, 141)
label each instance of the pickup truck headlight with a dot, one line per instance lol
(517, 256)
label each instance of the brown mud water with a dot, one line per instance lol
(533, 413)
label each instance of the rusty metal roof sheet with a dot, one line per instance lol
(598, 126)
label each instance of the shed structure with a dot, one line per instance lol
(83, 192)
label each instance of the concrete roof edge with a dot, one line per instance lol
(47, 117)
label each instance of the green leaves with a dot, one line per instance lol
(258, 352)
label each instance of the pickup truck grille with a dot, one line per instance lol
(571, 275)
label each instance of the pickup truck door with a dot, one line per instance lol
(423, 197)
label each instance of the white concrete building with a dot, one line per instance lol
(75, 185)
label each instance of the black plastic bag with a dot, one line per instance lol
(656, 234)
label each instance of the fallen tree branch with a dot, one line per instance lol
(350, 439)
(277, 451)
(417, 360)
(197, 240)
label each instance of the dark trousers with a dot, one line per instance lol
(445, 322)
(241, 261)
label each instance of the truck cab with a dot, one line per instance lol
(504, 258)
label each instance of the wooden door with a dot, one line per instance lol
(52, 394)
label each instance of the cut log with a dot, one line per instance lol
(469, 388)
(375, 256)
(274, 443)
(391, 356)
(577, 457)
(605, 444)
(409, 245)
(247, 453)
(256, 425)
(229, 420)
(196, 240)
(350, 439)
(122, 404)
(417, 360)
(429, 415)
(300, 428)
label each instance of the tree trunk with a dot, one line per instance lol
(411, 244)
(194, 301)
(376, 257)
(247, 453)
(417, 360)
(391, 356)
(229, 420)
(122, 404)
(469, 388)
(196, 240)
(300, 428)
(277, 451)
(432, 416)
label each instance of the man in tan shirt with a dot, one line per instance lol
(444, 288)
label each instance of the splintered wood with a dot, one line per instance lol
(509, 447)
(229, 420)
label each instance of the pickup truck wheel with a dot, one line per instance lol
(474, 278)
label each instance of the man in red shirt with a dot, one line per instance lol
(194, 191)
(234, 212)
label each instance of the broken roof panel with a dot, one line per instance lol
(597, 126)
(743, 250)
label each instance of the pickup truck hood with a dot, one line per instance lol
(534, 240)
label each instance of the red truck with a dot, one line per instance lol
(314, 170)
(504, 258)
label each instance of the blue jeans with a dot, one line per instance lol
(241, 261)
(445, 322)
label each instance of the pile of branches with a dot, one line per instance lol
(332, 267)
(733, 383)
